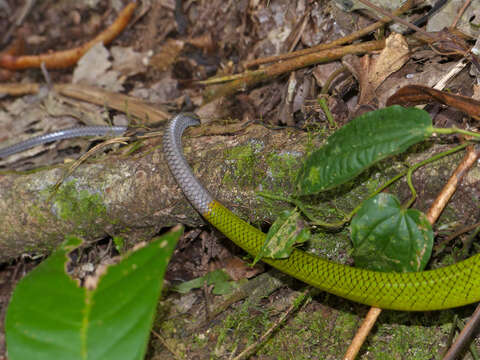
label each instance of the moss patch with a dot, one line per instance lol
(243, 164)
(283, 170)
(79, 207)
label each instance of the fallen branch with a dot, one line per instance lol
(275, 70)
(128, 104)
(342, 41)
(68, 58)
(132, 195)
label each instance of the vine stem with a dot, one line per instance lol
(336, 225)
(413, 168)
(449, 131)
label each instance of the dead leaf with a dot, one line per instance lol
(94, 68)
(167, 55)
(238, 269)
(128, 62)
(391, 59)
(372, 72)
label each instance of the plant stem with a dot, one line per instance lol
(424, 162)
(449, 131)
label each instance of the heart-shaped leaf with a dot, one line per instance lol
(388, 238)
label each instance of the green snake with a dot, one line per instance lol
(442, 288)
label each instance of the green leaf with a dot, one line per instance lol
(285, 233)
(51, 317)
(119, 243)
(218, 278)
(361, 143)
(388, 238)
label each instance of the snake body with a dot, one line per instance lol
(443, 288)
(70, 133)
(447, 287)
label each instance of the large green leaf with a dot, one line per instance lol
(51, 317)
(361, 143)
(388, 238)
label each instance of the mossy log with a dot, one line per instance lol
(135, 196)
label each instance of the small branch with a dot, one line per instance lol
(449, 188)
(275, 70)
(460, 13)
(437, 248)
(397, 19)
(473, 324)
(362, 333)
(465, 336)
(68, 58)
(342, 41)
(249, 350)
(129, 104)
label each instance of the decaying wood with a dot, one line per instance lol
(136, 192)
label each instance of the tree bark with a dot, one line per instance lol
(135, 196)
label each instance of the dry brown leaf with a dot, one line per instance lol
(372, 72)
(391, 59)
(167, 55)
(238, 269)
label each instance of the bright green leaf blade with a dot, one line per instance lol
(45, 315)
(123, 305)
(388, 238)
(50, 317)
(285, 233)
(361, 143)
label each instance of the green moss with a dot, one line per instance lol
(79, 207)
(35, 212)
(405, 342)
(282, 171)
(169, 327)
(308, 336)
(346, 325)
(243, 164)
(241, 328)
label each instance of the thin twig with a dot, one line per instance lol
(456, 234)
(250, 349)
(172, 350)
(342, 41)
(362, 333)
(465, 336)
(397, 19)
(84, 157)
(473, 324)
(275, 70)
(449, 188)
(460, 13)
(22, 14)
(68, 58)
